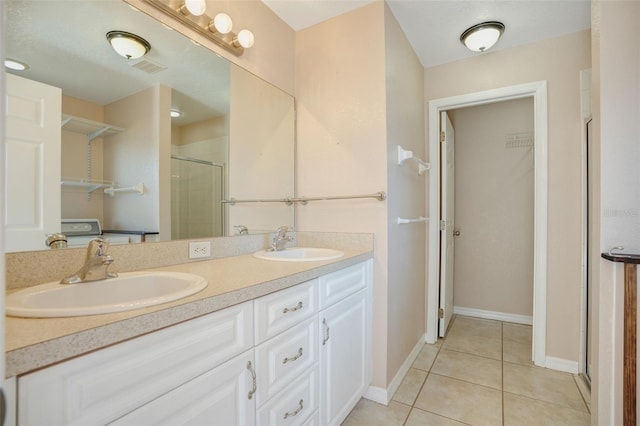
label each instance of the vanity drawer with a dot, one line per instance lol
(279, 311)
(281, 360)
(296, 405)
(102, 386)
(340, 284)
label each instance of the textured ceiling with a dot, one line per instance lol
(433, 27)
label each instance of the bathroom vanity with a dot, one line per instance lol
(291, 347)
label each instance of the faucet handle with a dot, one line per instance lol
(98, 246)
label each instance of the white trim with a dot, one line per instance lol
(561, 364)
(384, 396)
(493, 315)
(537, 90)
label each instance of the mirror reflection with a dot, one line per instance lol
(147, 147)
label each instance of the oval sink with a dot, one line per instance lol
(299, 254)
(130, 290)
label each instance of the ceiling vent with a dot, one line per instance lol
(148, 66)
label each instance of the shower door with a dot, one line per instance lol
(197, 188)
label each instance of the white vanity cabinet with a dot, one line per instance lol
(101, 387)
(345, 347)
(300, 356)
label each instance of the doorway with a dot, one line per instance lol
(538, 91)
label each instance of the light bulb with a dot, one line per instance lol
(195, 7)
(222, 23)
(245, 38)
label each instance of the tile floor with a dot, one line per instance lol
(480, 374)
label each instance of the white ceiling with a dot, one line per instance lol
(433, 27)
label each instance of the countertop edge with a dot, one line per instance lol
(46, 353)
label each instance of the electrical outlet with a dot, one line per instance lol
(199, 249)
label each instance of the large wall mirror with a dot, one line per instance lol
(114, 153)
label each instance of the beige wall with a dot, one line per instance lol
(75, 203)
(559, 61)
(494, 207)
(616, 126)
(341, 143)
(354, 107)
(406, 197)
(141, 153)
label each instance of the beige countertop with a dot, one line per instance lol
(33, 343)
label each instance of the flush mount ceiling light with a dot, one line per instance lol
(481, 37)
(175, 113)
(128, 45)
(217, 29)
(14, 64)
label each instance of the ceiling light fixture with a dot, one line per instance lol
(217, 29)
(483, 36)
(175, 113)
(14, 64)
(128, 45)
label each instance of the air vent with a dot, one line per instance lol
(519, 140)
(148, 66)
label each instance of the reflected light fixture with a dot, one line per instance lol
(217, 29)
(481, 37)
(14, 64)
(128, 45)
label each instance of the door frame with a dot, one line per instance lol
(538, 91)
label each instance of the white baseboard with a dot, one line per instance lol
(499, 316)
(383, 396)
(560, 364)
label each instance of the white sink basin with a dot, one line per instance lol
(299, 254)
(130, 290)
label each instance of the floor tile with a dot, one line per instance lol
(523, 411)
(475, 345)
(425, 358)
(516, 352)
(544, 384)
(418, 417)
(369, 413)
(462, 401)
(470, 368)
(517, 332)
(410, 386)
(476, 327)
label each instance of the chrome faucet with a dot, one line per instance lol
(96, 264)
(280, 239)
(241, 230)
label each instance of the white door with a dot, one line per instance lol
(32, 163)
(446, 222)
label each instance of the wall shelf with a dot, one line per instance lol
(404, 155)
(93, 129)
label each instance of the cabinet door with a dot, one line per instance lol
(344, 357)
(223, 396)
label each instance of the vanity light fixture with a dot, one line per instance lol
(194, 7)
(128, 45)
(14, 64)
(481, 37)
(217, 29)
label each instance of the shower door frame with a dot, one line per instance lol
(538, 91)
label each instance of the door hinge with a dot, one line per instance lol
(442, 136)
(440, 313)
(443, 225)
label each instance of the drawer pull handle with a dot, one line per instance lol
(326, 332)
(295, 308)
(253, 377)
(298, 355)
(295, 413)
